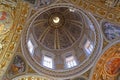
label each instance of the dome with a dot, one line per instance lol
(61, 41)
(58, 28)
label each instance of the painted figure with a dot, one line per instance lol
(111, 31)
(5, 22)
(3, 15)
(112, 67)
(18, 66)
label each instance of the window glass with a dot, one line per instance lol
(30, 47)
(70, 62)
(88, 47)
(47, 61)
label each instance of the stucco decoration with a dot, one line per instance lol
(46, 32)
(108, 66)
(31, 77)
(58, 28)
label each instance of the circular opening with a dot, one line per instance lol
(56, 20)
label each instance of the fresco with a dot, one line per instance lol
(111, 31)
(31, 1)
(5, 22)
(18, 66)
(40, 3)
(108, 66)
(112, 67)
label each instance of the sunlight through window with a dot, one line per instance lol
(70, 62)
(30, 47)
(88, 47)
(47, 61)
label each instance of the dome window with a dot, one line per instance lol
(62, 41)
(71, 9)
(30, 46)
(48, 62)
(70, 61)
(88, 47)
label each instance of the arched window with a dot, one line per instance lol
(47, 61)
(70, 61)
(88, 47)
(30, 47)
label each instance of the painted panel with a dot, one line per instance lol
(111, 31)
(18, 66)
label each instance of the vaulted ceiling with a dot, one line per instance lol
(15, 15)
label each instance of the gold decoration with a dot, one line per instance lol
(9, 30)
(108, 65)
